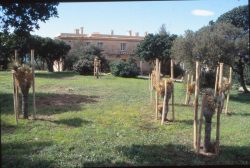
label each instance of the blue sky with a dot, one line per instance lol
(102, 17)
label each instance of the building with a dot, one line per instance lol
(114, 46)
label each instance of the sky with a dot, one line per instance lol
(147, 16)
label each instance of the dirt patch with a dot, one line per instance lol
(64, 100)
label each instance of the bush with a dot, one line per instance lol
(124, 69)
(85, 65)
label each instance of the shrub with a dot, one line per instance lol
(124, 69)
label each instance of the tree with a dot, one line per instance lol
(24, 17)
(238, 17)
(156, 46)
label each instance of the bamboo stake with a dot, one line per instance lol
(33, 83)
(151, 88)
(230, 81)
(218, 113)
(196, 102)
(164, 103)
(172, 69)
(159, 71)
(186, 100)
(216, 81)
(173, 113)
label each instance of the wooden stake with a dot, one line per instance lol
(173, 113)
(186, 100)
(200, 126)
(159, 71)
(216, 81)
(172, 69)
(230, 81)
(151, 88)
(196, 102)
(218, 112)
(164, 103)
(192, 79)
(14, 98)
(156, 105)
(16, 56)
(33, 83)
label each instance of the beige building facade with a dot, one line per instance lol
(114, 46)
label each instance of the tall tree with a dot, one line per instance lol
(238, 17)
(24, 17)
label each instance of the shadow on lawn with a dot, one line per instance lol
(48, 103)
(19, 154)
(56, 75)
(241, 97)
(72, 122)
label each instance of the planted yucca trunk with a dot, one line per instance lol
(24, 79)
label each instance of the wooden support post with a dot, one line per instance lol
(186, 100)
(192, 79)
(159, 71)
(230, 81)
(151, 88)
(164, 103)
(172, 69)
(200, 127)
(173, 112)
(16, 56)
(216, 81)
(196, 102)
(156, 105)
(33, 83)
(14, 98)
(217, 143)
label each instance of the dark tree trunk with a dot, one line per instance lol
(50, 65)
(241, 79)
(25, 105)
(208, 122)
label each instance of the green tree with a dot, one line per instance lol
(238, 17)
(24, 17)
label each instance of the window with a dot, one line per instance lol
(123, 46)
(100, 44)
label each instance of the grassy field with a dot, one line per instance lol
(83, 121)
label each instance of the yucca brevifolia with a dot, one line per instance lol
(24, 79)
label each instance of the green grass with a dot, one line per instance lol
(109, 121)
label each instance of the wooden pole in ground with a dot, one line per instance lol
(230, 81)
(173, 113)
(156, 105)
(172, 69)
(192, 79)
(151, 87)
(14, 98)
(200, 126)
(17, 89)
(217, 143)
(159, 71)
(186, 100)
(196, 102)
(33, 83)
(216, 81)
(164, 103)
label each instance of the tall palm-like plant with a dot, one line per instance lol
(24, 79)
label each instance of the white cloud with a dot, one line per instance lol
(201, 12)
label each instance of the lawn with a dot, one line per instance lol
(83, 121)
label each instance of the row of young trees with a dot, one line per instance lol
(226, 40)
(46, 49)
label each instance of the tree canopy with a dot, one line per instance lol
(24, 17)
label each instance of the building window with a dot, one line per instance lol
(123, 46)
(100, 45)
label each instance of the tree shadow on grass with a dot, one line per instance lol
(73, 122)
(241, 97)
(239, 114)
(21, 154)
(48, 103)
(187, 122)
(55, 75)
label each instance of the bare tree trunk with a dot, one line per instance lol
(241, 79)
(25, 105)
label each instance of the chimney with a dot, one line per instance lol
(146, 33)
(77, 31)
(130, 32)
(112, 32)
(137, 34)
(81, 30)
